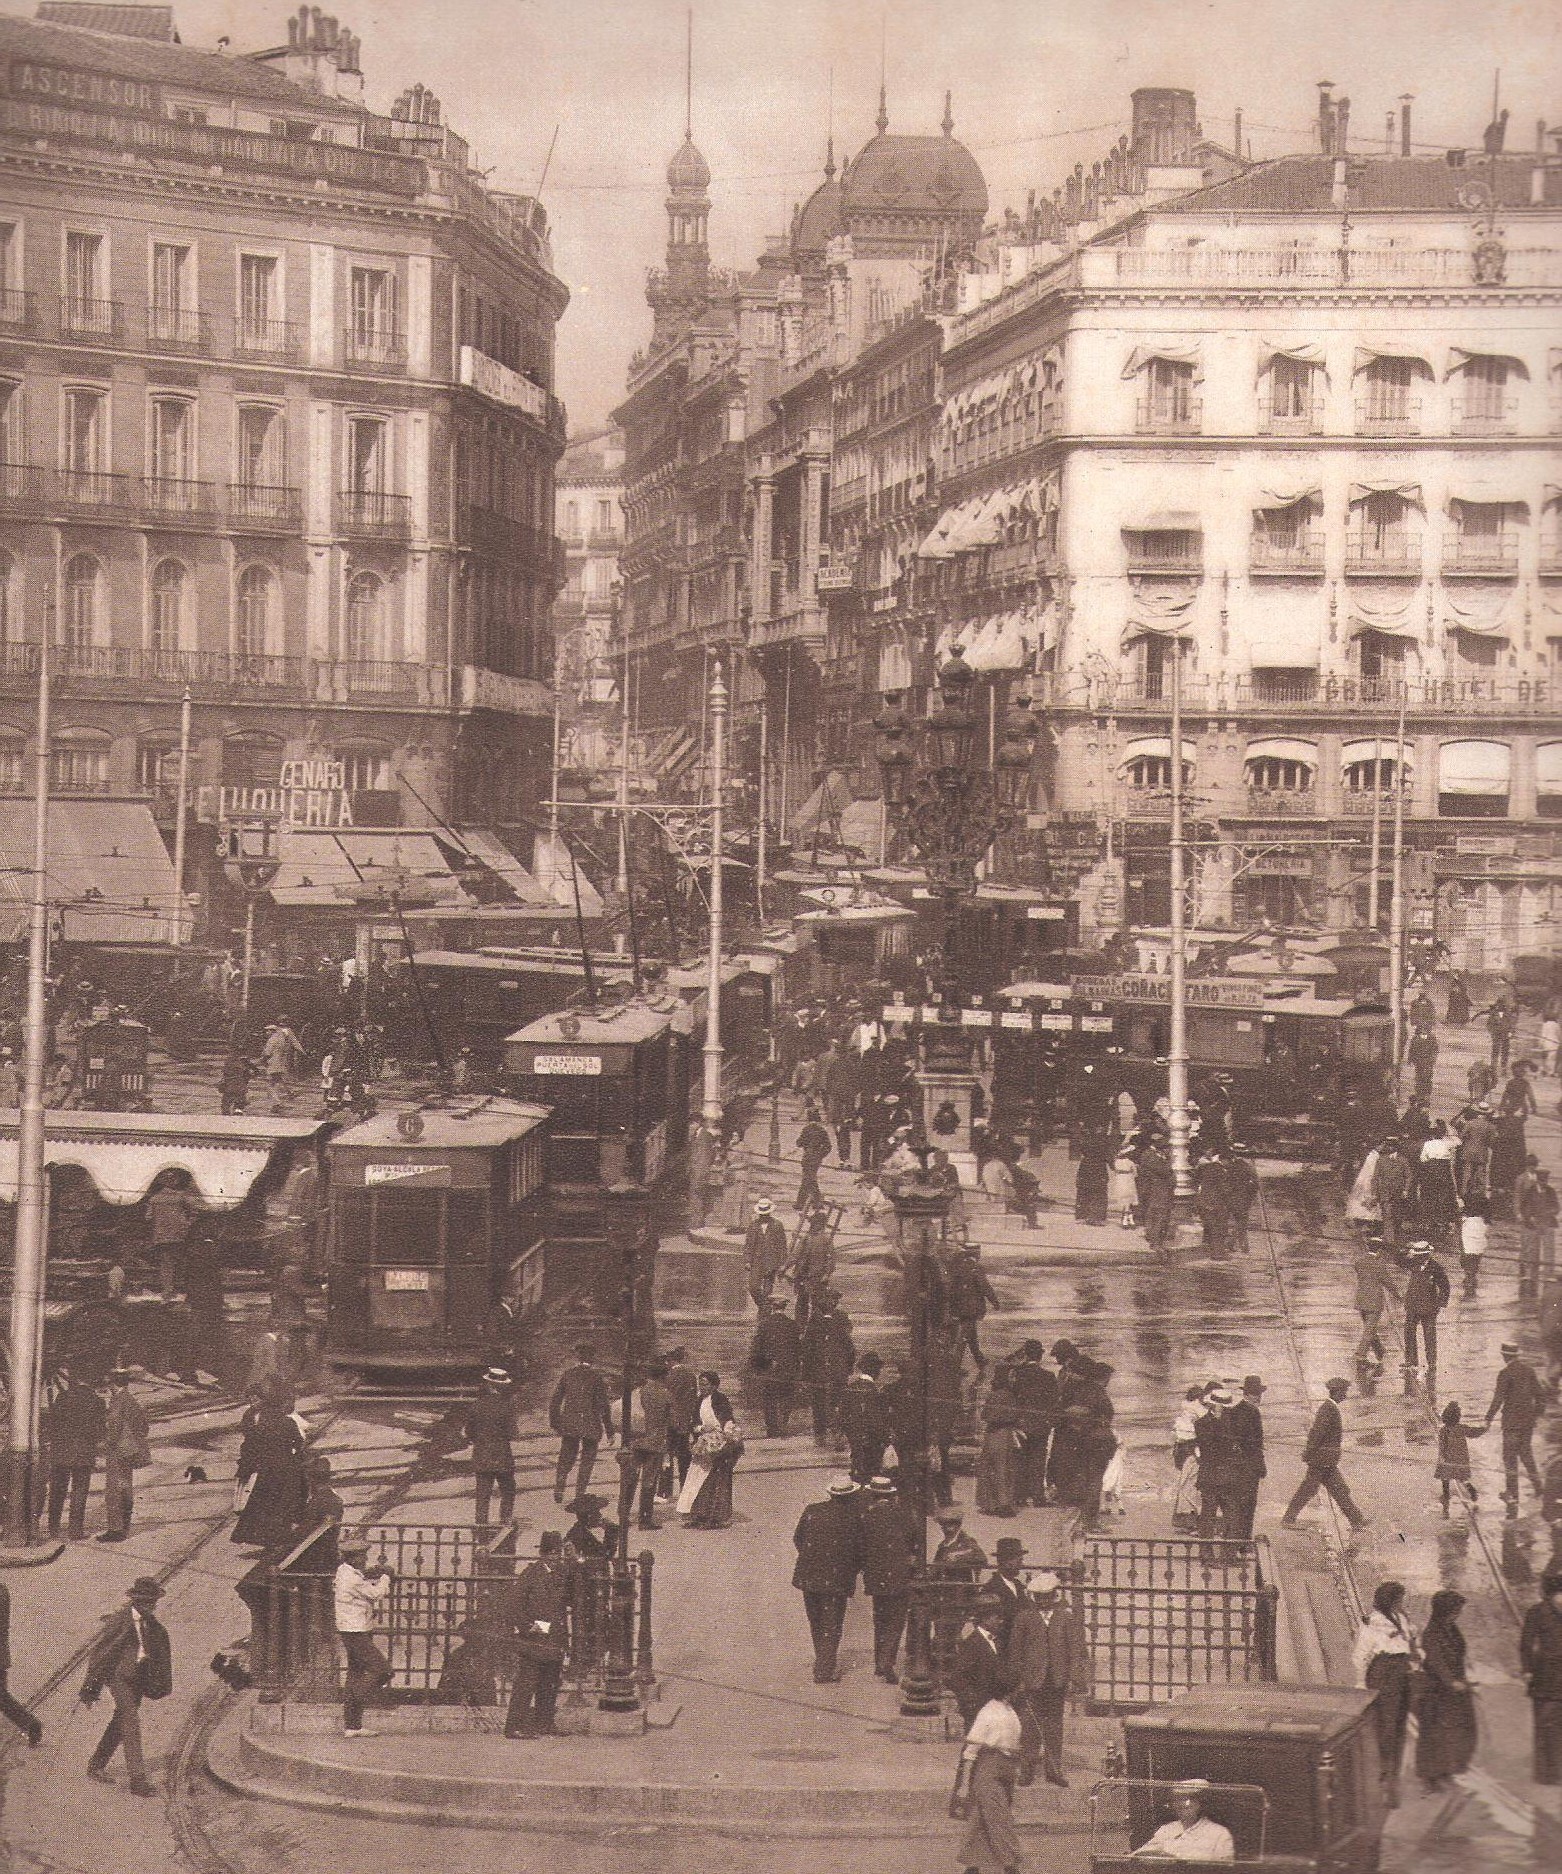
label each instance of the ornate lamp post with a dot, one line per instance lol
(951, 803)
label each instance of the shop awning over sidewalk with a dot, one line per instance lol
(331, 870)
(123, 1153)
(110, 877)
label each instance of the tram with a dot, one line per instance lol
(434, 1217)
(477, 999)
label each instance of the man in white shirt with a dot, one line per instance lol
(358, 1593)
(1192, 1836)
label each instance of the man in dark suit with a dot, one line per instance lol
(828, 1543)
(1220, 1459)
(888, 1562)
(581, 1412)
(75, 1425)
(683, 1383)
(489, 1427)
(10, 1708)
(133, 1659)
(775, 1356)
(1321, 1455)
(864, 1419)
(978, 1669)
(1046, 1658)
(1247, 1424)
(1004, 1587)
(539, 1612)
(1035, 1391)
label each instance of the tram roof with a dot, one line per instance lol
(626, 1024)
(124, 1153)
(464, 1123)
(517, 963)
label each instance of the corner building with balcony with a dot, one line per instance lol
(1300, 421)
(276, 426)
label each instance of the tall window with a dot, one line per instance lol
(11, 438)
(13, 763)
(366, 455)
(365, 768)
(1380, 656)
(572, 517)
(262, 438)
(257, 299)
(7, 597)
(252, 620)
(373, 303)
(1291, 390)
(86, 428)
(9, 257)
(1381, 523)
(79, 615)
(365, 609)
(1169, 382)
(79, 762)
(83, 275)
(165, 617)
(172, 311)
(172, 435)
(1388, 389)
(1485, 389)
(604, 517)
(157, 767)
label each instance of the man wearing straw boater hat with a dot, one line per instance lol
(489, 1427)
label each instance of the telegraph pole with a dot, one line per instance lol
(1376, 854)
(30, 1272)
(710, 1106)
(179, 818)
(1177, 1053)
(1396, 910)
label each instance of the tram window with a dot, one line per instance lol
(1316, 1044)
(466, 1224)
(407, 1228)
(352, 1218)
(1366, 1041)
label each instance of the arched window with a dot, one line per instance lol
(157, 767)
(13, 761)
(252, 623)
(165, 616)
(1473, 780)
(79, 617)
(79, 762)
(1282, 767)
(365, 636)
(365, 767)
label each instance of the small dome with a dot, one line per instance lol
(927, 175)
(820, 221)
(688, 172)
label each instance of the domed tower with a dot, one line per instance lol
(680, 293)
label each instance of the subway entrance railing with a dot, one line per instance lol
(1158, 1615)
(447, 1630)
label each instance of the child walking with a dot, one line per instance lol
(1453, 1453)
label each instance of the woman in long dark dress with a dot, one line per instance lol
(706, 1498)
(1093, 1178)
(271, 1468)
(1385, 1649)
(1445, 1710)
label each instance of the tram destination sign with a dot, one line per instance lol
(589, 1065)
(1218, 993)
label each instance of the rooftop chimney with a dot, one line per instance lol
(1537, 175)
(1342, 127)
(1326, 116)
(1339, 193)
(1165, 126)
(1404, 122)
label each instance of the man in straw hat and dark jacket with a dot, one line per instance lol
(828, 1540)
(489, 1427)
(133, 1660)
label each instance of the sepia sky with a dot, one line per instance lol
(1036, 87)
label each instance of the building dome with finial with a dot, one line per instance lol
(923, 177)
(688, 173)
(819, 221)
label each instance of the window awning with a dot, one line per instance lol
(335, 870)
(821, 812)
(1461, 357)
(1300, 350)
(1157, 745)
(1171, 352)
(123, 1153)
(1474, 768)
(1166, 521)
(1407, 491)
(1383, 748)
(1548, 768)
(1386, 349)
(894, 666)
(1284, 493)
(109, 874)
(1282, 748)
(492, 852)
(1488, 492)
(1474, 609)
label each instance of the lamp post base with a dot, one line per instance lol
(948, 1100)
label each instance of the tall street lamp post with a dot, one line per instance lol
(951, 797)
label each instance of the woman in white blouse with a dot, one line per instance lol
(987, 1765)
(1384, 1654)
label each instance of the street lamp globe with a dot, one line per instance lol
(893, 749)
(951, 729)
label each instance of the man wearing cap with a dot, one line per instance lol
(1045, 1655)
(1247, 1425)
(132, 1658)
(1426, 1296)
(774, 1357)
(489, 1427)
(358, 1593)
(889, 1559)
(125, 1448)
(1519, 1399)
(828, 1540)
(1191, 1835)
(1004, 1587)
(765, 1252)
(1321, 1455)
(581, 1412)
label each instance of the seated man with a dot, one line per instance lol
(1192, 1836)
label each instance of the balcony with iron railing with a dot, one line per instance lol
(1307, 421)
(1270, 689)
(1359, 803)
(96, 489)
(1484, 416)
(1551, 557)
(278, 341)
(23, 487)
(1173, 553)
(381, 681)
(18, 310)
(1344, 694)
(374, 348)
(97, 321)
(1481, 556)
(264, 507)
(1371, 554)
(1388, 418)
(173, 499)
(208, 674)
(178, 328)
(1154, 416)
(372, 514)
(1284, 802)
(1298, 554)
